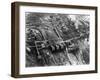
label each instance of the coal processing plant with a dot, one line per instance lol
(54, 39)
